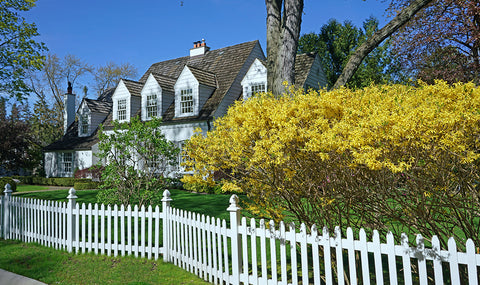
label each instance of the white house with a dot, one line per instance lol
(187, 93)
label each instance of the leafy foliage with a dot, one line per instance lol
(335, 44)
(139, 158)
(441, 42)
(18, 51)
(399, 158)
(16, 141)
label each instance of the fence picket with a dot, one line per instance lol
(339, 255)
(205, 246)
(377, 257)
(350, 246)
(422, 263)
(293, 252)
(392, 263)
(407, 270)
(316, 256)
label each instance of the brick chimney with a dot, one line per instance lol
(199, 48)
(69, 108)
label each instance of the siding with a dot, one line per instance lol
(316, 76)
(184, 81)
(257, 73)
(151, 87)
(121, 92)
(182, 131)
(50, 164)
(236, 89)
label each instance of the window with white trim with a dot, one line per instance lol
(152, 106)
(122, 110)
(257, 88)
(186, 101)
(84, 124)
(66, 162)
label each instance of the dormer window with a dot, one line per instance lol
(257, 88)
(122, 110)
(84, 122)
(186, 101)
(152, 106)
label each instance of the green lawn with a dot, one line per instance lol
(59, 267)
(24, 188)
(208, 204)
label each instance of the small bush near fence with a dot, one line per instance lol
(86, 185)
(9, 180)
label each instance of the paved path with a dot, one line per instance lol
(9, 278)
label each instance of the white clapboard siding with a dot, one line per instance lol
(247, 252)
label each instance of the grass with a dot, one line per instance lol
(59, 267)
(210, 205)
(24, 188)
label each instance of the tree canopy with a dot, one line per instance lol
(441, 42)
(19, 51)
(336, 42)
(284, 18)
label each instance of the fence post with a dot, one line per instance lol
(70, 218)
(166, 234)
(235, 217)
(6, 211)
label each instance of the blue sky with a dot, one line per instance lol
(143, 32)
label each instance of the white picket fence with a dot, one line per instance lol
(251, 252)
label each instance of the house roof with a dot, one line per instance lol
(165, 82)
(98, 106)
(71, 140)
(303, 65)
(134, 87)
(204, 77)
(224, 64)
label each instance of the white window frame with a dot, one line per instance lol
(122, 112)
(84, 123)
(151, 106)
(66, 163)
(187, 103)
(257, 87)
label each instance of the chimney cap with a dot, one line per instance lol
(69, 88)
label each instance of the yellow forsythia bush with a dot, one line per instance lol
(395, 157)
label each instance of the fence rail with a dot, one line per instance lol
(248, 252)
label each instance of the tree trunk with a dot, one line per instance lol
(283, 32)
(357, 57)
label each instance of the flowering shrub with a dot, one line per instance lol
(399, 158)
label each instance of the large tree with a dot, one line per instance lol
(109, 75)
(16, 140)
(441, 41)
(284, 18)
(19, 51)
(336, 42)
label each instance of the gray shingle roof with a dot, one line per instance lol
(98, 106)
(134, 87)
(224, 63)
(165, 82)
(204, 77)
(303, 64)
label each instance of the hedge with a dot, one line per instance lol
(7, 180)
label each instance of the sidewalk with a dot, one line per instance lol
(9, 278)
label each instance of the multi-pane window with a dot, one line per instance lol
(186, 101)
(152, 106)
(122, 110)
(257, 88)
(66, 162)
(84, 122)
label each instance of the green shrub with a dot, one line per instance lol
(7, 180)
(86, 185)
(203, 188)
